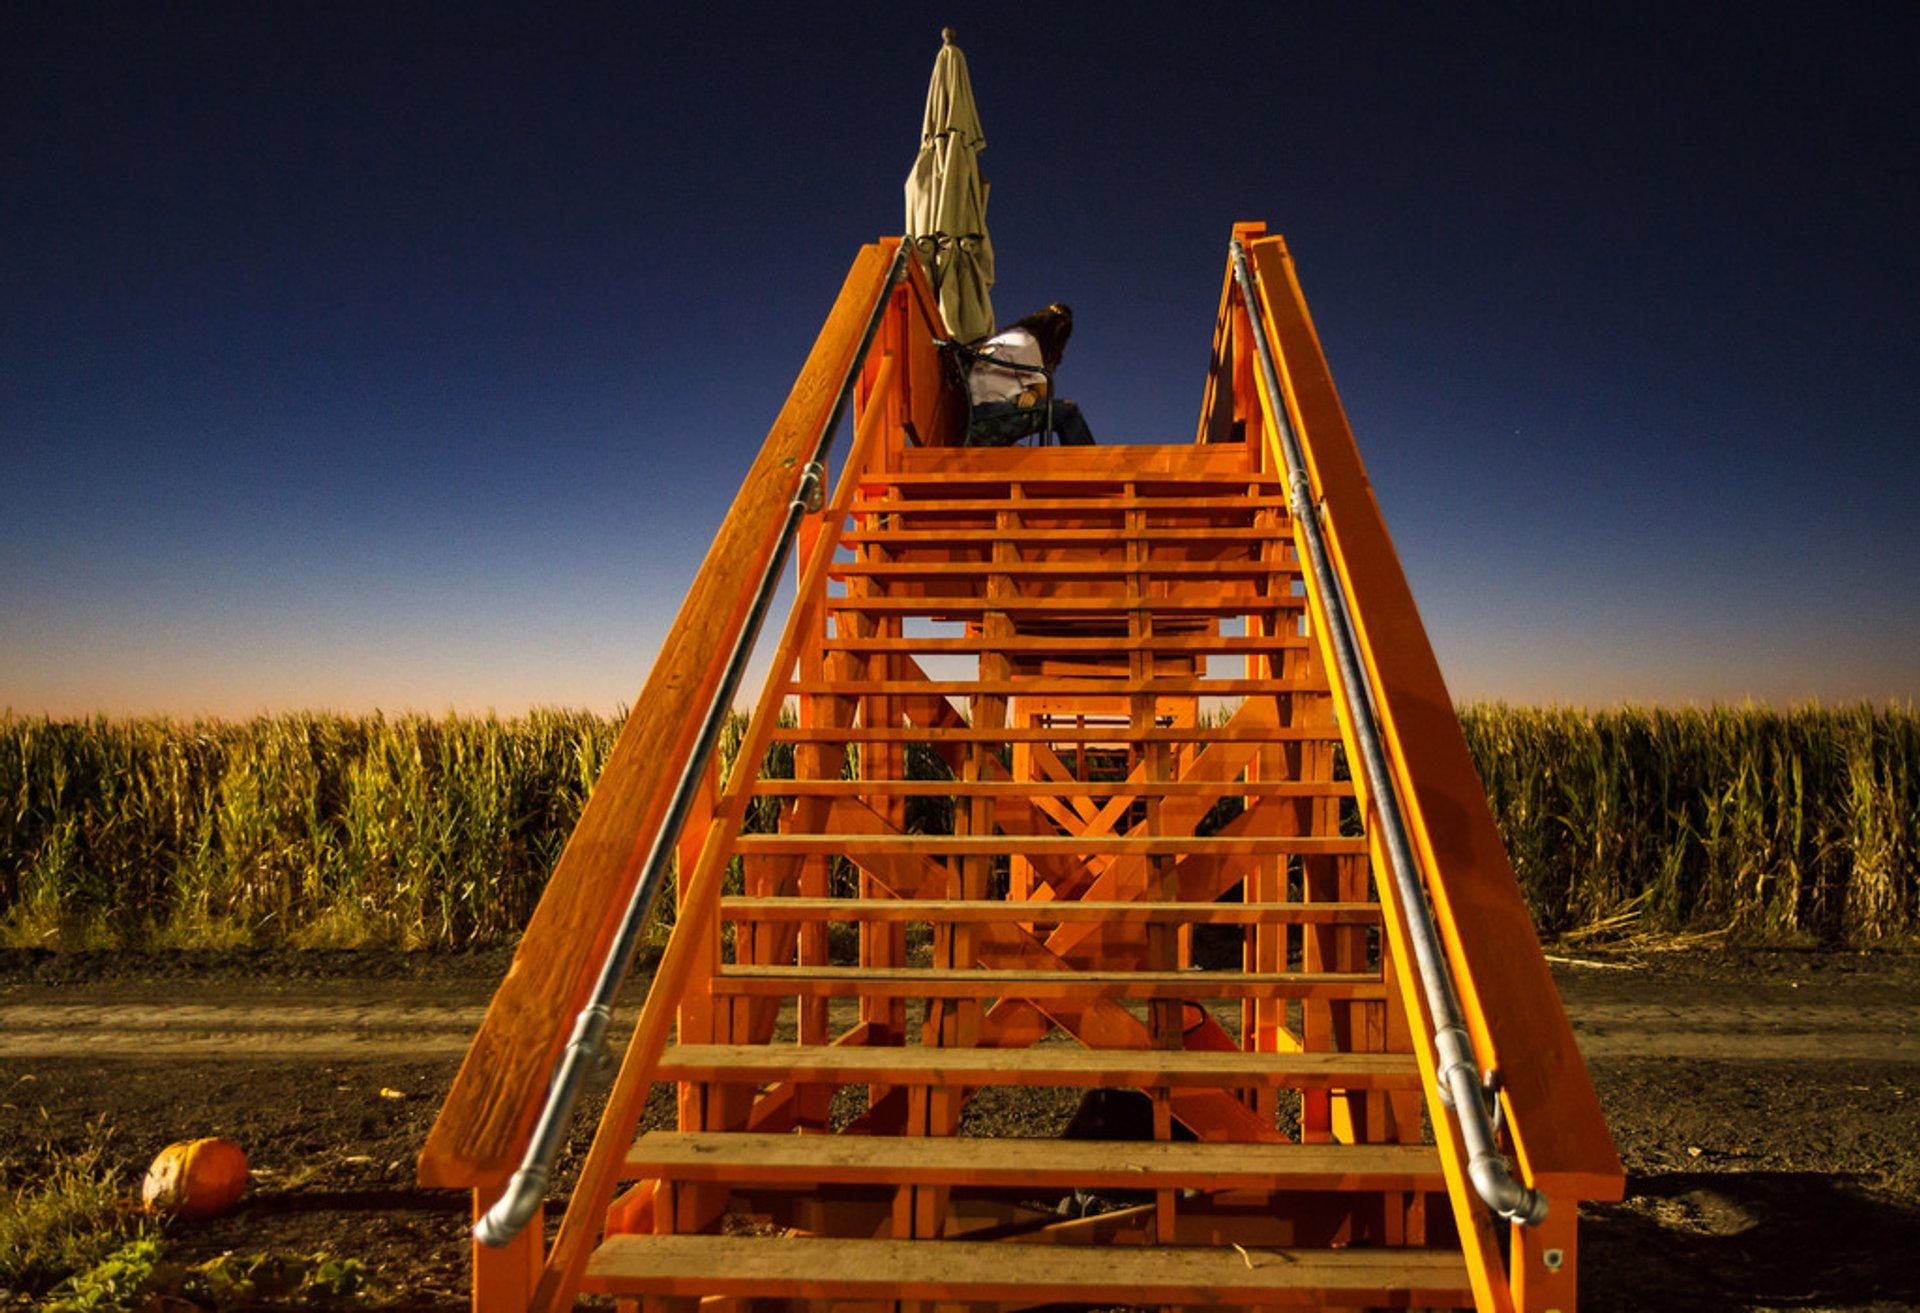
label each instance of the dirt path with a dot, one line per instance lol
(236, 1024)
(1767, 1107)
(1636, 1014)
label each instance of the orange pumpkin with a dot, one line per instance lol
(196, 1178)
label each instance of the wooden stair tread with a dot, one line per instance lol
(1113, 645)
(790, 1267)
(1088, 1164)
(1052, 912)
(1230, 483)
(1055, 788)
(1230, 601)
(1070, 569)
(985, 845)
(1109, 463)
(1117, 734)
(1277, 530)
(1238, 504)
(1068, 1065)
(935, 982)
(1043, 686)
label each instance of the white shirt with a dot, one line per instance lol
(991, 382)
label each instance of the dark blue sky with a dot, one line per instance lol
(406, 355)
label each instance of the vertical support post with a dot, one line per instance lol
(813, 1102)
(1246, 397)
(1542, 1272)
(695, 1020)
(1265, 1020)
(1321, 1022)
(504, 1278)
(882, 944)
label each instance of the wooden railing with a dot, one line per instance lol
(487, 1117)
(906, 399)
(700, 895)
(1512, 1010)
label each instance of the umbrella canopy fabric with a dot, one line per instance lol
(947, 199)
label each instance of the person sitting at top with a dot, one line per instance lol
(1012, 396)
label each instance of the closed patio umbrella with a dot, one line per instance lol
(947, 198)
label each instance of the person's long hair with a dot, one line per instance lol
(1050, 328)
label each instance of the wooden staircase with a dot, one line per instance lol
(1065, 840)
(1080, 607)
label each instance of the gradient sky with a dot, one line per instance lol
(406, 355)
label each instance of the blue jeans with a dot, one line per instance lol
(1001, 423)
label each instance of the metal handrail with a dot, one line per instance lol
(586, 1048)
(1457, 1074)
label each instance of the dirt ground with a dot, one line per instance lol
(1766, 1105)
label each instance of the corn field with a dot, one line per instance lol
(414, 831)
(1800, 825)
(301, 829)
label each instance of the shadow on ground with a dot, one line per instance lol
(1750, 1240)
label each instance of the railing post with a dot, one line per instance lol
(491, 1110)
(583, 1221)
(504, 1278)
(1541, 1266)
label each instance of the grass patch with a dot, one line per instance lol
(64, 1220)
(137, 1275)
(112, 1283)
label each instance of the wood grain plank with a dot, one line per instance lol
(1210, 644)
(985, 845)
(1052, 912)
(1058, 734)
(934, 982)
(1505, 987)
(1037, 1065)
(488, 1113)
(1209, 789)
(1241, 601)
(1040, 686)
(788, 1268)
(1236, 506)
(804, 1160)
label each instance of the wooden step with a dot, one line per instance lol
(970, 983)
(1065, 1065)
(1053, 788)
(1089, 569)
(1229, 483)
(1055, 912)
(1114, 646)
(794, 1267)
(1218, 601)
(1276, 530)
(1087, 1164)
(1062, 845)
(1143, 465)
(1049, 686)
(1239, 504)
(1118, 733)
